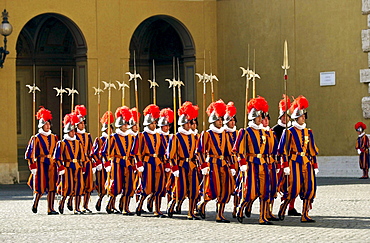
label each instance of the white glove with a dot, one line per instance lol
(233, 172)
(243, 168)
(140, 169)
(359, 151)
(33, 171)
(167, 169)
(277, 171)
(99, 167)
(316, 171)
(94, 170)
(286, 171)
(176, 173)
(108, 168)
(62, 172)
(205, 171)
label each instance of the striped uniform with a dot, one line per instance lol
(218, 184)
(42, 147)
(362, 144)
(299, 153)
(86, 141)
(71, 155)
(147, 149)
(231, 138)
(181, 151)
(101, 176)
(251, 144)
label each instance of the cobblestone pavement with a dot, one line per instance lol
(341, 211)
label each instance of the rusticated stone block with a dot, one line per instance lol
(365, 75)
(366, 107)
(365, 6)
(365, 35)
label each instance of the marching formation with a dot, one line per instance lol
(153, 165)
(217, 164)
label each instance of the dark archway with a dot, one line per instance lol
(161, 38)
(51, 42)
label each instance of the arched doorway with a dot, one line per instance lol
(57, 48)
(161, 38)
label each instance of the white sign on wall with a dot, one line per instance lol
(327, 78)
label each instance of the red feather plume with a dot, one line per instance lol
(360, 124)
(43, 113)
(259, 103)
(284, 105)
(300, 102)
(80, 110)
(231, 109)
(168, 114)
(123, 112)
(153, 110)
(192, 112)
(104, 119)
(183, 109)
(71, 118)
(135, 114)
(220, 108)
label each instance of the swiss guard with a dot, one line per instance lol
(298, 150)
(181, 152)
(99, 160)
(362, 146)
(212, 151)
(39, 156)
(88, 167)
(70, 157)
(250, 146)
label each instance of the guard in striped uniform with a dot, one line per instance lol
(88, 168)
(212, 152)
(101, 173)
(39, 154)
(181, 152)
(231, 135)
(270, 157)
(298, 150)
(362, 146)
(70, 156)
(164, 123)
(147, 150)
(250, 145)
(121, 171)
(283, 123)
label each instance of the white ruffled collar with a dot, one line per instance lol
(159, 130)
(42, 132)
(104, 134)
(121, 133)
(183, 131)
(362, 134)
(146, 129)
(254, 125)
(67, 137)
(195, 132)
(228, 129)
(266, 128)
(300, 127)
(215, 129)
(282, 124)
(81, 131)
(133, 133)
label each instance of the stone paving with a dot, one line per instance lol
(341, 211)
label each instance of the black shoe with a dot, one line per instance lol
(138, 212)
(309, 221)
(177, 211)
(160, 216)
(193, 218)
(222, 221)
(86, 210)
(281, 216)
(115, 211)
(98, 207)
(293, 212)
(53, 213)
(266, 223)
(78, 212)
(234, 215)
(34, 210)
(61, 210)
(109, 211)
(128, 214)
(149, 207)
(170, 214)
(70, 208)
(273, 219)
(240, 219)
